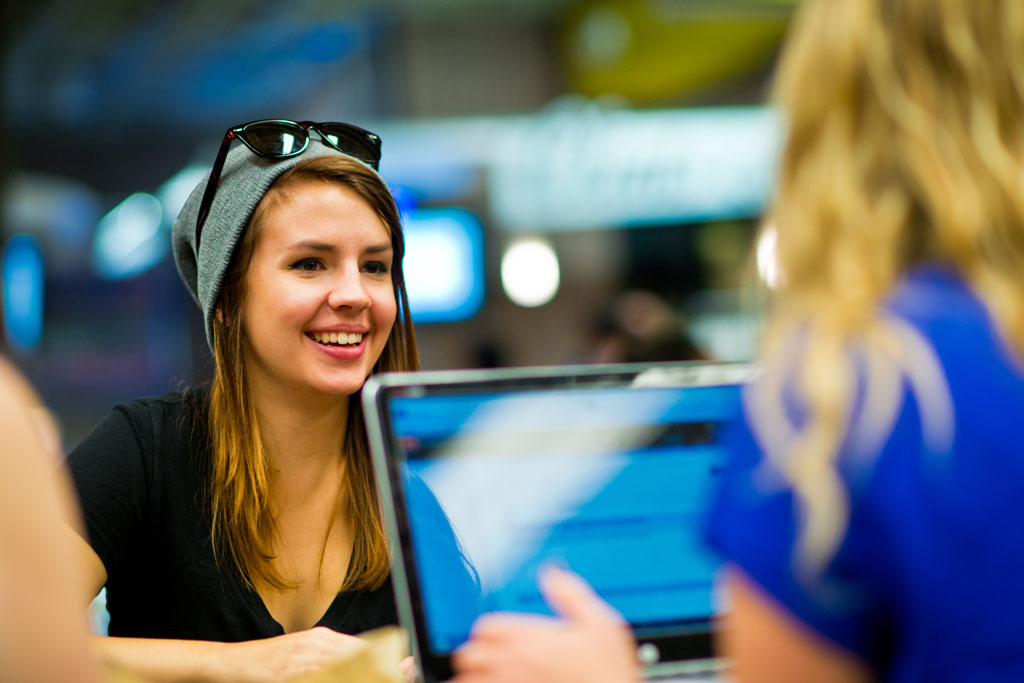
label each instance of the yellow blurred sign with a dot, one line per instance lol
(658, 51)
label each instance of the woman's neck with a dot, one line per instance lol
(303, 436)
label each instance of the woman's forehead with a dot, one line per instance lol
(322, 212)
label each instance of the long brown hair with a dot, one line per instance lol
(243, 524)
(905, 145)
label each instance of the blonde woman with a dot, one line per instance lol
(237, 529)
(870, 517)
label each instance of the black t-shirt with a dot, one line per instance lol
(140, 477)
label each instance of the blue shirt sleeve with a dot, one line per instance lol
(925, 583)
(753, 523)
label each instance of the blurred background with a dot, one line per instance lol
(581, 180)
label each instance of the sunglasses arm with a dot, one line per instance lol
(213, 182)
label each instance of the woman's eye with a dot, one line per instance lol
(307, 265)
(376, 268)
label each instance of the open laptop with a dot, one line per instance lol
(485, 476)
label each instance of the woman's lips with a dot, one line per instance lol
(337, 350)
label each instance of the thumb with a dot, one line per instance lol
(572, 598)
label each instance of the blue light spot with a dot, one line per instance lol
(443, 265)
(21, 272)
(405, 200)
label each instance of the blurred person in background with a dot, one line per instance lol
(639, 326)
(43, 630)
(869, 515)
(237, 528)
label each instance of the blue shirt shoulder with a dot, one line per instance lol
(924, 584)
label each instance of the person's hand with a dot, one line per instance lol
(282, 657)
(590, 642)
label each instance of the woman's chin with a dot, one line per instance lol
(340, 389)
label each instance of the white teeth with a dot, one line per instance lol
(338, 338)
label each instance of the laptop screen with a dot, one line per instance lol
(606, 475)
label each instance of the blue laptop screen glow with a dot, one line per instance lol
(609, 482)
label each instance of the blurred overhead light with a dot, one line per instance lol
(129, 240)
(530, 273)
(173, 193)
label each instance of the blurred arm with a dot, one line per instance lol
(159, 660)
(764, 644)
(43, 628)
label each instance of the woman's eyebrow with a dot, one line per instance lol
(313, 245)
(330, 248)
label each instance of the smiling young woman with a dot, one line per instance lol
(237, 529)
(317, 257)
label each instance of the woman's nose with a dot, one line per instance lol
(348, 291)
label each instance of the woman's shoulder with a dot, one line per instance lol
(188, 402)
(157, 422)
(932, 294)
(955, 323)
(145, 436)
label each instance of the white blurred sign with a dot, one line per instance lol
(592, 168)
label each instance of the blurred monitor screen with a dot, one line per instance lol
(443, 265)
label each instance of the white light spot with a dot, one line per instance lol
(530, 273)
(768, 258)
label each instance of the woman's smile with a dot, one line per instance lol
(337, 339)
(339, 346)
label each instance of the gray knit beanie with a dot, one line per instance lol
(244, 181)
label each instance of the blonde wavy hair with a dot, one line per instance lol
(905, 145)
(243, 524)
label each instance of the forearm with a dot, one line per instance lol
(158, 660)
(269, 660)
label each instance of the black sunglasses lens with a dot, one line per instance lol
(274, 139)
(360, 144)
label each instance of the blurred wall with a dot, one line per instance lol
(106, 100)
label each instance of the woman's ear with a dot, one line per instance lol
(221, 318)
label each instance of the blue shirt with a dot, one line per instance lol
(927, 583)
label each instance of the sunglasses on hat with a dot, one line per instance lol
(280, 139)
